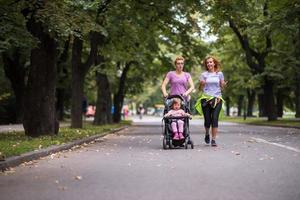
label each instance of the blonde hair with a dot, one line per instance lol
(178, 58)
(217, 63)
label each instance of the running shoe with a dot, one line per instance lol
(207, 139)
(213, 143)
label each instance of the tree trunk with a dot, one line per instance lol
(79, 71)
(251, 100)
(119, 97)
(297, 94)
(279, 103)
(104, 103)
(63, 74)
(77, 84)
(297, 73)
(270, 103)
(261, 105)
(15, 71)
(227, 101)
(240, 105)
(39, 102)
(60, 97)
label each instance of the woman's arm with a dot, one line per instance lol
(192, 87)
(201, 84)
(164, 85)
(202, 81)
(223, 84)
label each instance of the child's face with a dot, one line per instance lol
(176, 106)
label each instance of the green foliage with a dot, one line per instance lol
(286, 122)
(256, 20)
(13, 32)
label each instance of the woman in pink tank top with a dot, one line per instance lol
(181, 82)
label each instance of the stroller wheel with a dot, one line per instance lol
(192, 144)
(165, 143)
(186, 145)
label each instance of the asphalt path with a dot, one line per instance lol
(250, 162)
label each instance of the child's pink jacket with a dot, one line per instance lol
(176, 113)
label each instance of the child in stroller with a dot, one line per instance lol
(176, 118)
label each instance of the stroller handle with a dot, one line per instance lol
(174, 96)
(177, 117)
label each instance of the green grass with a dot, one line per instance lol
(287, 122)
(16, 143)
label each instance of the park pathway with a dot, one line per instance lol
(250, 163)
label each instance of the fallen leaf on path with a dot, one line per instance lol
(236, 153)
(78, 177)
(62, 188)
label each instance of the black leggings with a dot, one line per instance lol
(211, 115)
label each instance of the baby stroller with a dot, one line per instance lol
(167, 129)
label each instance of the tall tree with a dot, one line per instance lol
(39, 104)
(79, 71)
(249, 22)
(79, 68)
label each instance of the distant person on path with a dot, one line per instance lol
(179, 81)
(141, 111)
(125, 111)
(177, 124)
(210, 102)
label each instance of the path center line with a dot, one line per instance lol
(276, 144)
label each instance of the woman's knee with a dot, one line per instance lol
(215, 121)
(215, 124)
(207, 124)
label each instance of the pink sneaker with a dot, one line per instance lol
(176, 136)
(181, 136)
